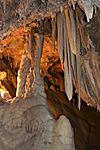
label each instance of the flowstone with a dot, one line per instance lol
(27, 124)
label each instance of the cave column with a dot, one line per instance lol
(38, 85)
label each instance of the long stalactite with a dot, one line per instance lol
(69, 32)
(60, 32)
(67, 67)
(53, 22)
(72, 39)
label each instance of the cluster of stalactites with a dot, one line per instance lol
(70, 35)
(68, 26)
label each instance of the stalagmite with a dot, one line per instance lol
(67, 67)
(63, 129)
(29, 81)
(60, 22)
(22, 75)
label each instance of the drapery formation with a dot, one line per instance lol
(68, 21)
(73, 43)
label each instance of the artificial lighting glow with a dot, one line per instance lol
(62, 66)
(3, 74)
(2, 92)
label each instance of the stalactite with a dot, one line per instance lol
(60, 31)
(96, 75)
(78, 78)
(96, 69)
(4, 5)
(73, 3)
(67, 66)
(78, 62)
(85, 90)
(88, 9)
(95, 9)
(82, 29)
(53, 22)
(90, 78)
(74, 67)
(41, 38)
(73, 25)
(88, 85)
(37, 86)
(73, 29)
(70, 29)
(32, 44)
(84, 37)
(40, 43)
(26, 5)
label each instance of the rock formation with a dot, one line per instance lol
(68, 22)
(29, 31)
(28, 124)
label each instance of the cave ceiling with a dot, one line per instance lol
(18, 17)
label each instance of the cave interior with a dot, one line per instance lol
(64, 50)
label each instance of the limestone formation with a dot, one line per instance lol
(27, 28)
(28, 124)
(22, 76)
(63, 135)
